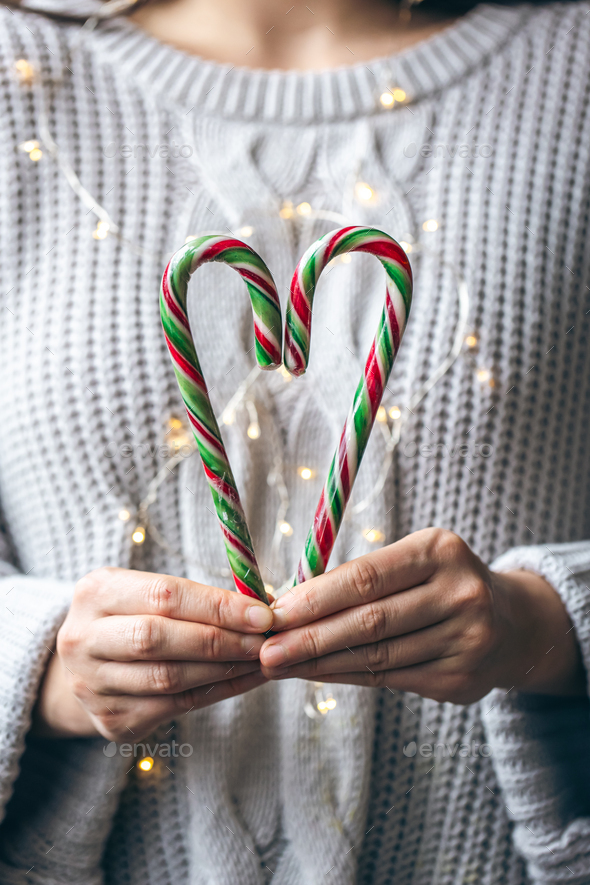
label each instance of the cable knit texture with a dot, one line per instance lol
(172, 146)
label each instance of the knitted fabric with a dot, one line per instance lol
(172, 145)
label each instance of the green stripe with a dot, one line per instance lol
(362, 419)
(353, 239)
(242, 255)
(246, 573)
(334, 497)
(266, 308)
(180, 275)
(385, 345)
(262, 357)
(183, 343)
(402, 281)
(299, 334)
(233, 518)
(215, 463)
(312, 554)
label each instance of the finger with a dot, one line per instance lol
(153, 638)
(125, 718)
(396, 615)
(389, 654)
(140, 678)
(115, 591)
(435, 679)
(229, 689)
(399, 566)
(422, 679)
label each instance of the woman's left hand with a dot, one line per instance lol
(426, 615)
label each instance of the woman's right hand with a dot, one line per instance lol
(137, 649)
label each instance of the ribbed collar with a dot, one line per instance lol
(306, 97)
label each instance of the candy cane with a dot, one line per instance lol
(267, 330)
(359, 423)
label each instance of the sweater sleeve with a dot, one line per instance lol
(34, 609)
(541, 745)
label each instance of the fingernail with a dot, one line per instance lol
(280, 618)
(260, 617)
(274, 656)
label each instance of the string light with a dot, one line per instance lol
(327, 705)
(346, 259)
(25, 71)
(286, 210)
(138, 536)
(254, 427)
(381, 414)
(373, 535)
(177, 433)
(471, 341)
(484, 375)
(407, 247)
(269, 588)
(101, 231)
(32, 149)
(106, 224)
(146, 764)
(364, 191)
(124, 515)
(330, 702)
(317, 706)
(285, 373)
(389, 97)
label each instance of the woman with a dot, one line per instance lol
(452, 638)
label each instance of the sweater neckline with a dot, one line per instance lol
(343, 93)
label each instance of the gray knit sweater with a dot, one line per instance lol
(493, 143)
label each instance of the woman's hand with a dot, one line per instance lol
(137, 649)
(426, 615)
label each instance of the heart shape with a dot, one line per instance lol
(267, 329)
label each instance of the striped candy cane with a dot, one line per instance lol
(267, 331)
(359, 423)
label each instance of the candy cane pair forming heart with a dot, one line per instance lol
(267, 329)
